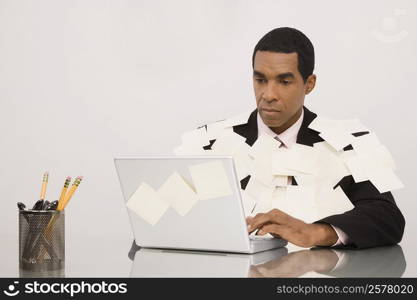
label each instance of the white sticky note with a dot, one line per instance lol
(210, 180)
(195, 138)
(331, 165)
(279, 195)
(147, 204)
(265, 145)
(300, 158)
(305, 157)
(357, 166)
(248, 203)
(262, 170)
(384, 179)
(385, 156)
(214, 130)
(264, 202)
(300, 203)
(337, 138)
(255, 188)
(366, 143)
(332, 202)
(228, 143)
(243, 162)
(305, 179)
(322, 124)
(281, 181)
(362, 165)
(178, 193)
(280, 162)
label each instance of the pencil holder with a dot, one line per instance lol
(41, 240)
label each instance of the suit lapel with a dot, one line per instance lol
(307, 136)
(250, 129)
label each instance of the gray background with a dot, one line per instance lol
(84, 81)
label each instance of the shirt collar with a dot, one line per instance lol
(288, 137)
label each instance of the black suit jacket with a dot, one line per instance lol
(375, 219)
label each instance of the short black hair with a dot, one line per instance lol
(289, 40)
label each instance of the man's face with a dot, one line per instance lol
(279, 88)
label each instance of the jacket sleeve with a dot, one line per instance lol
(375, 219)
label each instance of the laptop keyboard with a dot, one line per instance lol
(259, 237)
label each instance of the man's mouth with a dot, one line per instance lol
(269, 110)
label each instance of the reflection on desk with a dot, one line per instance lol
(375, 262)
(173, 263)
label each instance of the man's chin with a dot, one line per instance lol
(272, 123)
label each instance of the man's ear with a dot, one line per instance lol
(310, 83)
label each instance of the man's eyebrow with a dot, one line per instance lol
(279, 76)
(258, 74)
(285, 75)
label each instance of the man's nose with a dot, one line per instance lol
(270, 93)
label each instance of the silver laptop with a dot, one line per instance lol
(211, 225)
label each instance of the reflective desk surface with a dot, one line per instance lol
(100, 256)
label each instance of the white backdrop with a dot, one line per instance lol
(83, 81)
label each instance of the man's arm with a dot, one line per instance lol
(374, 221)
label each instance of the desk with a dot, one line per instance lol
(99, 256)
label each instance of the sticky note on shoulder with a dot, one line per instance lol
(210, 180)
(147, 204)
(178, 193)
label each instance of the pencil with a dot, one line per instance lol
(64, 189)
(70, 193)
(44, 184)
(61, 206)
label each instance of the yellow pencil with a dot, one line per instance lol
(44, 184)
(64, 189)
(70, 193)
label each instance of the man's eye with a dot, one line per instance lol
(260, 80)
(286, 82)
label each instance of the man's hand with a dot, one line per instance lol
(295, 231)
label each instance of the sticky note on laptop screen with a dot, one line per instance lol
(178, 193)
(210, 180)
(147, 204)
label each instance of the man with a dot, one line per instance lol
(283, 64)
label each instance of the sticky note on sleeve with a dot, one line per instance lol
(210, 180)
(147, 204)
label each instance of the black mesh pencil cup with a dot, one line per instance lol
(41, 240)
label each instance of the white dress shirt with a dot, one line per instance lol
(289, 138)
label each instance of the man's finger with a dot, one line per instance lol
(273, 216)
(249, 220)
(279, 214)
(257, 221)
(274, 229)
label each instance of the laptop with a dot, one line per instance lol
(216, 224)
